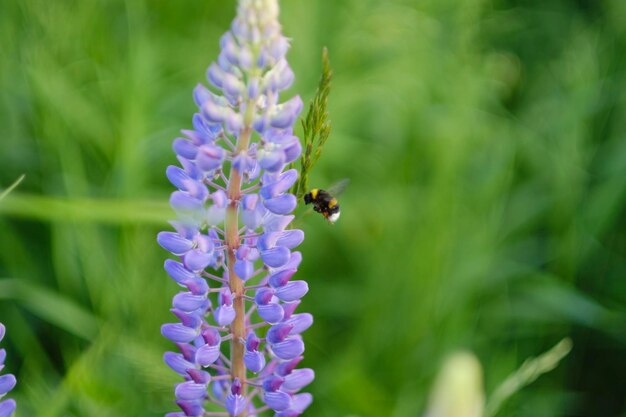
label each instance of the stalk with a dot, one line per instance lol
(238, 327)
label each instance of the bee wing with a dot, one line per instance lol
(338, 188)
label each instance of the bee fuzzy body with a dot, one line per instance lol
(324, 203)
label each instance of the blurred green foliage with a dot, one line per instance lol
(486, 149)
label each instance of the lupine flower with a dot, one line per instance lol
(7, 382)
(235, 249)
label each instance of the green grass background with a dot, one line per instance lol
(486, 146)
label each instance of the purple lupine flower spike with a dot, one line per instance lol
(235, 249)
(7, 382)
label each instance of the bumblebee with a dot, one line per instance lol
(324, 203)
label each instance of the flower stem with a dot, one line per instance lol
(238, 326)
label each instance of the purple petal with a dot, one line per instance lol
(289, 308)
(242, 163)
(195, 189)
(290, 238)
(205, 129)
(249, 201)
(271, 160)
(211, 336)
(275, 257)
(177, 176)
(267, 240)
(177, 362)
(233, 53)
(210, 157)
(292, 291)
(225, 297)
(224, 315)
(195, 137)
(253, 218)
(289, 348)
(284, 79)
(244, 269)
(281, 277)
(213, 112)
(300, 322)
(174, 243)
(189, 320)
(7, 408)
(198, 376)
(255, 171)
(201, 94)
(178, 272)
(215, 75)
(278, 47)
(223, 62)
(3, 356)
(253, 88)
(243, 252)
(284, 183)
(186, 230)
(283, 204)
(261, 123)
(278, 332)
(219, 389)
(178, 333)
(197, 286)
(7, 383)
(277, 223)
(277, 401)
(231, 85)
(263, 296)
(298, 379)
(292, 152)
(271, 313)
(301, 401)
(294, 261)
(197, 260)
(287, 113)
(272, 383)
(190, 391)
(220, 199)
(235, 404)
(252, 342)
(183, 202)
(254, 361)
(207, 355)
(204, 243)
(235, 387)
(191, 408)
(263, 59)
(188, 351)
(189, 167)
(187, 301)
(215, 215)
(285, 368)
(203, 132)
(254, 252)
(234, 121)
(185, 148)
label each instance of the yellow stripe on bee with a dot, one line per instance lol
(332, 203)
(314, 193)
